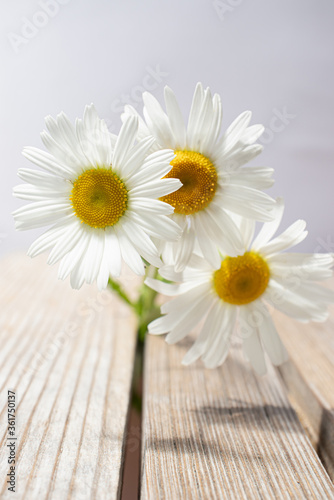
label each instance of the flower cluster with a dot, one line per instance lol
(177, 197)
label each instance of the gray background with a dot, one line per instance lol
(272, 57)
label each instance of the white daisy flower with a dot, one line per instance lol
(211, 171)
(101, 193)
(240, 288)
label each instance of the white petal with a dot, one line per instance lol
(293, 235)
(214, 131)
(112, 253)
(253, 177)
(88, 147)
(107, 256)
(60, 154)
(46, 240)
(166, 229)
(93, 256)
(206, 336)
(195, 311)
(251, 343)
(247, 229)
(218, 350)
(29, 192)
(175, 118)
(222, 230)
(66, 242)
(234, 132)
(142, 243)
(199, 139)
(154, 167)
(269, 336)
(181, 302)
(125, 141)
(143, 130)
(150, 206)
(184, 248)
(44, 221)
(167, 288)
(72, 258)
(210, 251)
(42, 213)
(133, 164)
(168, 272)
(157, 121)
(251, 134)
(236, 157)
(194, 113)
(156, 189)
(294, 305)
(41, 179)
(248, 202)
(129, 254)
(269, 228)
(48, 162)
(63, 133)
(315, 267)
(178, 309)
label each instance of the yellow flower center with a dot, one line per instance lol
(199, 179)
(99, 197)
(242, 279)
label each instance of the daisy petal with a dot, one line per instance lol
(125, 140)
(142, 242)
(47, 162)
(234, 132)
(129, 254)
(194, 314)
(143, 131)
(251, 343)
(289, 238)
(210, 251)
(206, 336)
(269, 336)
(248, 202)
(194, 112)
(157, 121)
(184, 249)
(175, 118)
(166, 288)
(218, 351)
(269, 228)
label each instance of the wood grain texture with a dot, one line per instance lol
(223, 433)
(69, 356)
(309, 377)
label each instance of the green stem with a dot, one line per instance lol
(116, 287)
(145, 307)
(148, 310)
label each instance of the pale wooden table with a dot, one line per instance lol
(224, 433)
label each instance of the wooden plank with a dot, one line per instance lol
(309, 377)
(69, 357)
(223, 433)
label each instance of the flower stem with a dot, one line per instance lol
(145, 307)
(116, 287)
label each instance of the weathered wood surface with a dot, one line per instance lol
(224, 433)
(69, 356)
(309, 377)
